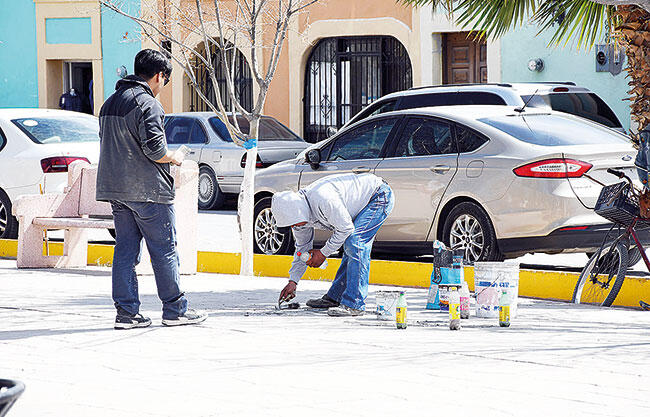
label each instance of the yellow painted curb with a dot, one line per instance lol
(532, 283)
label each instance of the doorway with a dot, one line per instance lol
(78, 76)
(464, 59)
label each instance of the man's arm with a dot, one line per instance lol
(304, 239)
(152, 134)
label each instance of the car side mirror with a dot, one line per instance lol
(313, 158)
(331, 131)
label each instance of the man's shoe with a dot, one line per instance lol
(190, 317)
(323, 302)
(344, 311)
(124, 321)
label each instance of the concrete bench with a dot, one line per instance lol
(76, 210)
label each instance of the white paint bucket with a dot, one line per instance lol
(386, 304)
(490, 279)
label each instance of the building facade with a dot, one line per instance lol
(338, 57)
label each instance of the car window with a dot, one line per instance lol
(54, 129)
(554, 130)
(198, 134)
(177, 130)
(363, 142)
(450, 99)
(3, 139)
(468, 140)
(587, 105)
(383, 106)
(424, 136)
(270, 129)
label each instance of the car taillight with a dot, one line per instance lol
(59, 163)
(554, 168)
(560, 90)
(258, 163)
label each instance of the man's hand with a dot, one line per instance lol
(288, 292)
(177, 158)
(317, 258)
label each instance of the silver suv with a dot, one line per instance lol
(560, 96)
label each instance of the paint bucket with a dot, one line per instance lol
(490, 279)
(386, 304)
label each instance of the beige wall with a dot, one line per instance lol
(50, 57)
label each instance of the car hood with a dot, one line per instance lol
(88, 150)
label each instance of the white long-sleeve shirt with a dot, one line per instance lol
(330, 203)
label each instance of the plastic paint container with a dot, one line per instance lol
(386, 304)
(490, 280)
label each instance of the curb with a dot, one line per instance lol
(532, 283)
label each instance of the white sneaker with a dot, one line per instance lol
(343, 311)
(190, 317)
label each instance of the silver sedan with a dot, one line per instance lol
(496, 181)
(221, 162)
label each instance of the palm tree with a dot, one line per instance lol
(626, 22)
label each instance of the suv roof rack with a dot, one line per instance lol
(547, 82)
(460, 85)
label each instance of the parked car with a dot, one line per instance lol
(494, 180)
(36, 147)
(221, 162)
(561, 96)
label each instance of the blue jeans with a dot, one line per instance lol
(155, 223)
(350, 287)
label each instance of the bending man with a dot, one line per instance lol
(353, 207)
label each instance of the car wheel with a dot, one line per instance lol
(210, 195)
(8, 223)
(468, 227)
(266, 236)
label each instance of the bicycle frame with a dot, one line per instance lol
(632, 231)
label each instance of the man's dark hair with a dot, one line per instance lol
(149, 62)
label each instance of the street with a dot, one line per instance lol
(250, 359)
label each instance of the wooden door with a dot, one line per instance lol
(465, 60)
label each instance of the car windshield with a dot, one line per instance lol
(60, 129)
(554, 130)
(270, 129)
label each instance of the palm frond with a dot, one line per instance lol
(584, 21)
(443, 5)
(496, 17)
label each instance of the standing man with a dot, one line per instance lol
(134, 176)
(353, 207)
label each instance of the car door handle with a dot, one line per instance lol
(360, 170)
(440, 169)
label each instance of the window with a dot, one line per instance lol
(198, 134)
(3, 140)
(468, 140)
(363, 142)
(60, 129)
(270, 129)
(178, 129)
(375, 108)
(554, 130)
(587, 105)
(422, 137)
(450, 99)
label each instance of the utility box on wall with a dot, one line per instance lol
(609, 58)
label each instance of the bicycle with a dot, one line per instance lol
(602, 277)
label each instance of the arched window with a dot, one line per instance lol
(243, 80)
(345, 74)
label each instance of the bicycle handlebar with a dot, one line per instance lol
(615, 172)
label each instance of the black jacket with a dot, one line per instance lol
(132, 138)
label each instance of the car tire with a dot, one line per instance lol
(210, 195)
(266, 237)
(472, 230)
(8, 223)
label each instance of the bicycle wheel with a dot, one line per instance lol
(601, 279)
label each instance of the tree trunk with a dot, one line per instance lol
(247, 202)
(634, 35)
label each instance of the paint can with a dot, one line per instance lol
(490, 280)
(386, 304)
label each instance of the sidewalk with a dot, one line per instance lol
(250, 360)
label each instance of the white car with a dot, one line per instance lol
(36, 147)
